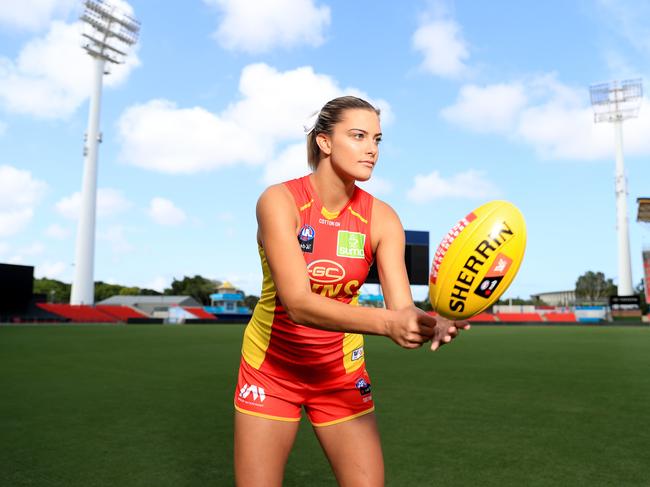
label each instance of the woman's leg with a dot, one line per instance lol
(353, 449)
(261, 449)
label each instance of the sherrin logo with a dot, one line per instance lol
(325, 271)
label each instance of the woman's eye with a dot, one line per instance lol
(377, 140)
(358, 136)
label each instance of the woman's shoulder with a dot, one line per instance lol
(382, 210)
(275, 193)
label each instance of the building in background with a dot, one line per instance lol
(228, 305)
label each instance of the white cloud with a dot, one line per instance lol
(469, 184)
(376, 186)
(628, 18)
(164, 212)
(109, 202)
(52, 270)
(19, 194)
(160, 136)
(257, 27)
(35, 248)
(52, 75)
(33, 14)
(57, 232)
(491, 108)
(116, 238)
(158, 283)
(290, 163)
(554, 118)
(226, 216)
(444, 49)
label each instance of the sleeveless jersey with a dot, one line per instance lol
(338, 253)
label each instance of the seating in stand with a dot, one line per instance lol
(78, 313)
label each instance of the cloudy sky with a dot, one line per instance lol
(480, 100)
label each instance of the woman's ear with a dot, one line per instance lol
(324, 143)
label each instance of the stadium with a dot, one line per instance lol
(111, 384)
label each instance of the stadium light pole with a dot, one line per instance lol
(615, 102)
(108, 33)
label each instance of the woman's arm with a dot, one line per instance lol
(277, 229)
(389, 241)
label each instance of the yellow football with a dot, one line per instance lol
(477, 260)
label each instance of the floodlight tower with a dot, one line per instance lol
(615, 102)
(108, 33)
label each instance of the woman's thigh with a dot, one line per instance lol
(353, 449)
(262, 447)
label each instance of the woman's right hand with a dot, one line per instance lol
(410, 327)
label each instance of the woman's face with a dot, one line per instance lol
(353, 145)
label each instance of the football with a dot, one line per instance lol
(477, 260)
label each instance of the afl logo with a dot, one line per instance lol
(306, 233)
(325, 271)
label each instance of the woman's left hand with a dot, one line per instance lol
(445, 331)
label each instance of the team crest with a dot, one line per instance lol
(362, 386)
(306, 238)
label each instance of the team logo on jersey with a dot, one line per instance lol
(306, 238)
(363, 386)
(350, 244)
(325, 271)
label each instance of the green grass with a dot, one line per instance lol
(152, 406)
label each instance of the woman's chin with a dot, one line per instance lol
(363, 175)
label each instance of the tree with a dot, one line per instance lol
(54, 291)
(104, 290)
(251, 301)
(593, 287)
(198, 287)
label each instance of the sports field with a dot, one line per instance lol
(152, 406)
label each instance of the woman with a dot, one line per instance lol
(303, 346)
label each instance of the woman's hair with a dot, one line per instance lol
(330, 115)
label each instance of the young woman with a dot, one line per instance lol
(317, 236)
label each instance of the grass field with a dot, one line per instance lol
(152, 406)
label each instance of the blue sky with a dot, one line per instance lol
(480, 100)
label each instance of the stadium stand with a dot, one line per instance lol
(483, 318)
(200, 313)
(561, 317)
(519, 317)
(120, 313)
(78, 313)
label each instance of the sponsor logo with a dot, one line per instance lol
(494, 276)
(306, 238)
(334, 290)
(362, 386)
(325, 271)
(329, 223)
(255, 391)
(357, 353)
(479, 256)
(350, 244)
(446, 242)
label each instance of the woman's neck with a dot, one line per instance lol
(333, 191)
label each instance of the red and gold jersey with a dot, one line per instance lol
(338, 254)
